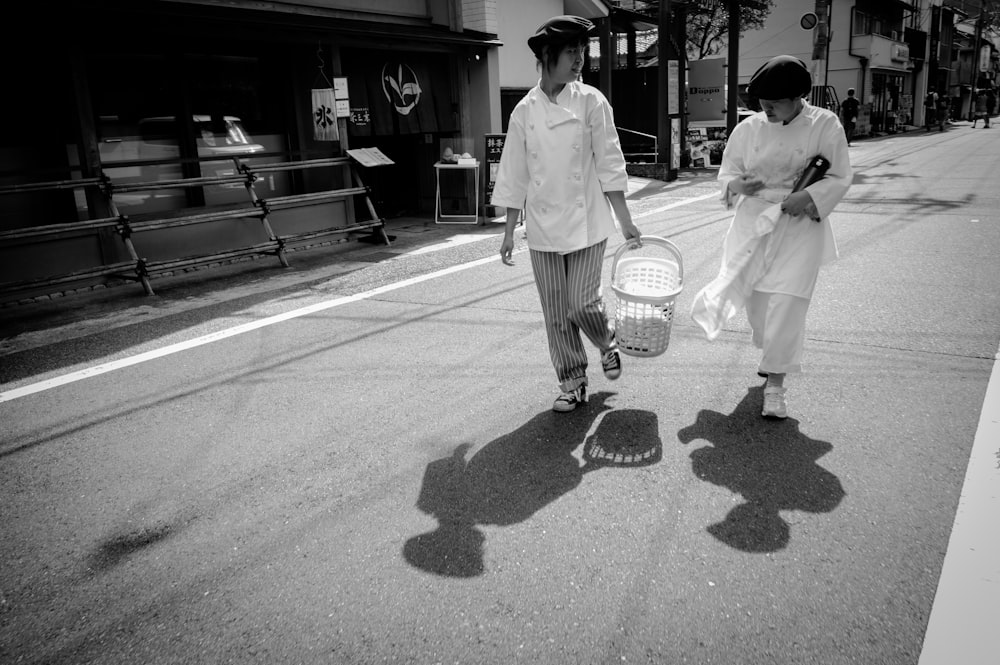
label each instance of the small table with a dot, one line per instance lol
(440, 217)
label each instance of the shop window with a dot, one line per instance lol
(143, 134)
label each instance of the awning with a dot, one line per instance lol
(891, 70)
(274, 21)
(585, 8)
(623, 20)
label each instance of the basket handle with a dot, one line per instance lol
(650, 240)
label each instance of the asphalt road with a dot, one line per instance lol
(368, 470)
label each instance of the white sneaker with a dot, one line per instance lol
(569, 400)
(774, 403)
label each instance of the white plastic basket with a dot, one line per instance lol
(645, 290)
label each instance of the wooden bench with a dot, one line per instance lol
(130, 228)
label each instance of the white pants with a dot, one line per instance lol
(569, 287)
(779, 323)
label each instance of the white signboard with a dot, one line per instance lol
(707, 90)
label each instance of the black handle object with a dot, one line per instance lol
(816, 169)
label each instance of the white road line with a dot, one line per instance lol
(454, 241)
(962, 627)
(97, 370)
(104, 368)
(677, 204)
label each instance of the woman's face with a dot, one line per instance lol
(781, 110)
(568, 63)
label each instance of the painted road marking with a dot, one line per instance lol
(962, 627)
(454, 241)
(104, 368)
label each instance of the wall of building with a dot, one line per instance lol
(517, 20)
(480, 15)
(782, 34)
(175, 60)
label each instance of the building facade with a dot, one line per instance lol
(890, 51)
(140, 91)
(152, 90)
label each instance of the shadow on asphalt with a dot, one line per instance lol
(770, 463)
(516, 475)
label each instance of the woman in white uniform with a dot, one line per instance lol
(562, 164)
(778, 238)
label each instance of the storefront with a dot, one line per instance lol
(146, 91)
(891, 105)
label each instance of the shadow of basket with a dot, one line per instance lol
(625, 438)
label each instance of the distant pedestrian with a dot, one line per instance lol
(562, 163)
(944, 111)
(778, 238)
(849, 114)
(930, 108)
(982, 108)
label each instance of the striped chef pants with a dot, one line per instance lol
(569, 286)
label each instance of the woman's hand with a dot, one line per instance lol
(506, 249)
(507, 246)
(798, 203)
(746, 184)
(631, 232)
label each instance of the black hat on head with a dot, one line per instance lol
(559, 30)
(781, 77)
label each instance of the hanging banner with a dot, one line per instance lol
(324, 115)
(404, 94)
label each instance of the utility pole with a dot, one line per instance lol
(733, 66)
(974, 69)
(668, 100)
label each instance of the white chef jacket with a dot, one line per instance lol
(764, 249)
(557, 162)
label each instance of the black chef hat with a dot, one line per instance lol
(781, 77)
(558, 31)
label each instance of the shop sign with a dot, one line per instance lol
(324, 115)
(900, 53)
(706, 88)
(674, 87)
(494, 149)
(342, 96)
(361, 116)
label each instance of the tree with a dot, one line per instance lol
(708, 22)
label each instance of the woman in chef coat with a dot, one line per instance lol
(563, 165)
(778, 238)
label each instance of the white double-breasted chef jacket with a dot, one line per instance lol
(557, 162)
(766, 250)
